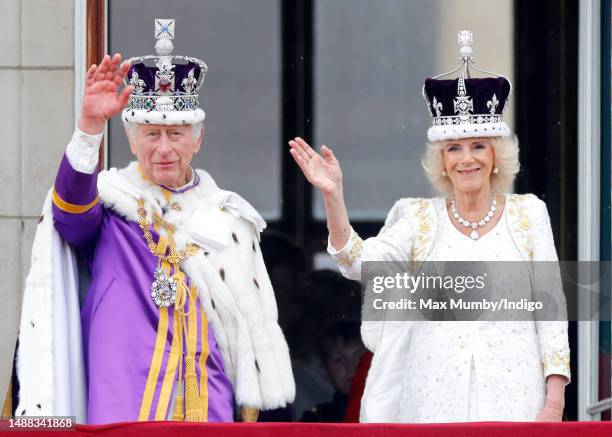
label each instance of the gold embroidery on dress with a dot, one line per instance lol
(520, 221)
(354, 252)
(422, 237)
(556, 360)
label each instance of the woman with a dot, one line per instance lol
(454, 371)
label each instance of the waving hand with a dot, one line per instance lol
(321, 170)
(101, 99)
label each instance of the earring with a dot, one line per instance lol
(444, 173)
(495, 170)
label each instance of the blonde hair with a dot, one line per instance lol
(506, 152)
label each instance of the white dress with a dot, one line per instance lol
(457, 371)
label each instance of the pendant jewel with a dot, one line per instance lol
(163, 289)
(164, 286)
(474, 225)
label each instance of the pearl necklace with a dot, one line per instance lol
(486, 219)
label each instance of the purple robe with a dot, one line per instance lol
(120, 321)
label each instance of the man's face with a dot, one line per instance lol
(165, 152)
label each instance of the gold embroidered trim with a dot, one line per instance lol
(354, 252)
(520, 221)
(423, 230)
(556, 360)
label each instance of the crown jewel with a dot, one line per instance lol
(466, 107)
(165, 85)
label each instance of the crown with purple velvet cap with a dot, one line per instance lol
(165, 85)
(467, 107)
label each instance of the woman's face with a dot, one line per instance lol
(469, 163)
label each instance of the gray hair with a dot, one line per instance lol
(130, 129)
(506, 152)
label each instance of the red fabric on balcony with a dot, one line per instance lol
(484, 429)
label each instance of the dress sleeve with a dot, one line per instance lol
(77, 212)
(393, 243)
(552, 335)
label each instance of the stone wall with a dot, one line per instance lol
(37, 77)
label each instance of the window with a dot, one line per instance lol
(348, 73)
(370, 61)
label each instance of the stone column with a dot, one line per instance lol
(37, 77)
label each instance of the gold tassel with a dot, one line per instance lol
(179, 409)
(179, 402)
(193, 403)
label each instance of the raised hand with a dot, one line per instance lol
(321, 170)
(101, 99)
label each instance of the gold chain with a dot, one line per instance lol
(174, 257)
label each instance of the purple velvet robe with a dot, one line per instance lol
(120, 320)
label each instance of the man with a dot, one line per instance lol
(180, 320)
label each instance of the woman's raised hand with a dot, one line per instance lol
(101, 99)
(321, 170)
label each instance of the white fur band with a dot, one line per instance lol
(458, 131)
(143, 116)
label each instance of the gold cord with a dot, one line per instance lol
(188, 405)
(179, 404)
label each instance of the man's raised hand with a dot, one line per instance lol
(101, 99)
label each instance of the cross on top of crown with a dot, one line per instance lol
(465, 40)
(164, 28)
